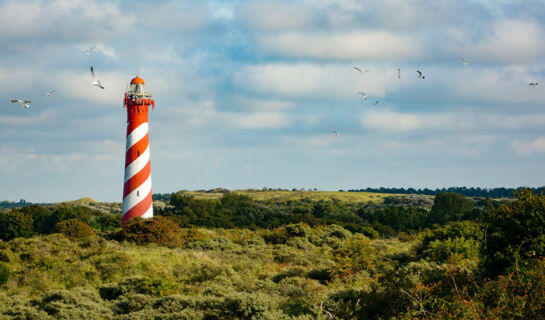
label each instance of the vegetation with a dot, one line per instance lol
(465, 191)
(238, 256)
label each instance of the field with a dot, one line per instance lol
(263, 195)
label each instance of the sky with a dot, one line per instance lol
(248, 93)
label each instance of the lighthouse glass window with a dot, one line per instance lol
(138, 89)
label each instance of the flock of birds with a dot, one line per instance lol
(420, 75)
(25, 103)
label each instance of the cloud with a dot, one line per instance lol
(28, 119)
(509, 41)
(314, 81)
(62, 19)
(530, 147)
(276, 15)
(376, 45)
(258, 120)
(394, 121)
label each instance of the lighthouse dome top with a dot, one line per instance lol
(137, 80)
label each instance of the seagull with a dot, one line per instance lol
(420, 75)
(95, 80)
(376, 102)
(533, 84)
(398, 73)
(464, 61)
(48, 94)
(24, 103)
(336, 134)
(89, 50)
(360, 71)
(363, 95)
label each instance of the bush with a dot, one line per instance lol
(74, 229)
(4, 273)
(15, 224)
(449, 206)
(516, 232)
(298, 230)
(74, 304)
(158, 230)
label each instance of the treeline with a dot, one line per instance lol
(241, 211)
(468, 192)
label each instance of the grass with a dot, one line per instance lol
(261, 195)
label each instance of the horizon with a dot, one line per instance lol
(264, 93)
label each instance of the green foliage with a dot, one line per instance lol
(74, 229)
(15, 224)
(5, 272)
(463, 238)
(294, 258)
(449, 206)
(158, 230)
(394, 219)
(516, 232)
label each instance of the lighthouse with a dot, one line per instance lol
(137, 200)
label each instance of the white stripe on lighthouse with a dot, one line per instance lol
(149, 213)
(137, 195)
(137, 164)
(137, 134)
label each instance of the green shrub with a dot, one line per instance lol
(132, 303)
(158, 230)
(336, 231)
(74, 229)
(5, 272)
(15, 224)
(146, 286)
(74, 304)
(298, 230)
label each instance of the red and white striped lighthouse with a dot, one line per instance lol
(137, 201)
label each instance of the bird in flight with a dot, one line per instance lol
(363, 95)
(95, 80)
(335, 134)
(90, 50)
(533, 84)
(24, 103)
(361, 71)
(376, 102)
(464, 61)
(47, 94)
(420, 75)
(398, 73)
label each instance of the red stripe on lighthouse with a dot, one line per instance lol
(137, 180)
(135, 151)
(138, 210)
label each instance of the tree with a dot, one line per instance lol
(15, 224)
(74, 229)
(449, 206)
(516, 232)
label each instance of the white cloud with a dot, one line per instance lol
(527, 148)
(315, 81)
(27, 119)
(276, 15)
(511, 41)
(376, 45)
(258, 120)
(394, 121)
(317, 140)
(62, 19)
